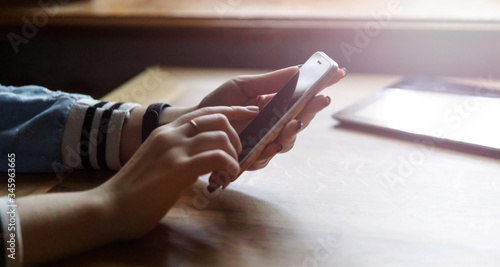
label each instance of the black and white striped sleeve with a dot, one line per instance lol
(91, 136)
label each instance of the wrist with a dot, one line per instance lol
(103, 205)
(170, 114)
(131, 137)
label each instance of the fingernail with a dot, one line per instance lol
(345, 71)
(299, 127)
(280, 148)
(211, 188)
(252, 108)
(300, 65)
(329, 100)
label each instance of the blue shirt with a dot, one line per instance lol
(32, 123)
(51, 131)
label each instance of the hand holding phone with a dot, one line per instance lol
(312, 77)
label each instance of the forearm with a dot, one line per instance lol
(58, 225)
(132, 128)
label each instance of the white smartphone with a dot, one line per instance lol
(311, 78)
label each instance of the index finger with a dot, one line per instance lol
(341, 73)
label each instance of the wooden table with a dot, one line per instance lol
(337, 199)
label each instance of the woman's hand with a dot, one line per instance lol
(170, 160)
(252, 90)
(135, 199)
(258, 90)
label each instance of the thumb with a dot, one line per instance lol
(233, 113)
(267, 83)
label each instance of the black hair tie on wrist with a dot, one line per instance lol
(151, 118)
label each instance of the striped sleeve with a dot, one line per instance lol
(91, 136)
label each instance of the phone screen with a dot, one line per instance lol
(295, 88)
(268, 117)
